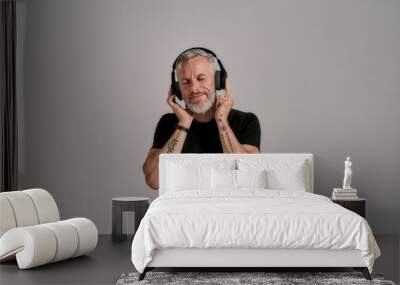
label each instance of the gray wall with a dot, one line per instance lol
(322, 76)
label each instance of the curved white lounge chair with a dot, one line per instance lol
(31, 230)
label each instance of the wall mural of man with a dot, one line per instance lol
(207, 123)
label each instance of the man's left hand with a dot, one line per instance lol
(224, 105)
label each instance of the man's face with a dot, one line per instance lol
(196, 81)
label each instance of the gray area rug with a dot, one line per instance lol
(225, 278)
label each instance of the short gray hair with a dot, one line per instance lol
(196, 52)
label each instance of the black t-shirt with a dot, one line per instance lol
(204, 137)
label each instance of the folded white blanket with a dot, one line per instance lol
(250, 218)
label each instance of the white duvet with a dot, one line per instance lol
(250, 218)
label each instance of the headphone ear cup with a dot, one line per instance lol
(178, 91)
(175, 86)
(217, 80)
(223, 75)
(223, 80)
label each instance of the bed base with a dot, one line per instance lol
(364, 270)
(251, 259)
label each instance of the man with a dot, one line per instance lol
(208, 124)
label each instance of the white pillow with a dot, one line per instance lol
(289, 179)
(223, 179)
(281, 174)
(181, 178)
(251, 178)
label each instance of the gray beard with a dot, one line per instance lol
(201, 109)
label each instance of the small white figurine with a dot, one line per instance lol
(347, 173)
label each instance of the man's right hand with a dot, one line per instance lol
(185, 117)
(173, 145)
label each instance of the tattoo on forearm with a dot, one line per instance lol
(222, 125)
(222, 141)
(229, 141)
(171, 145)
(227, 146)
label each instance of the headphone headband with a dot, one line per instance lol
(200, 48)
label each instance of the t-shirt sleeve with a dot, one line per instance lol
(250, 131)
(164, 130)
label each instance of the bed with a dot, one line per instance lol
(244, 211)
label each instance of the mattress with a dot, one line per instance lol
(250, 218)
